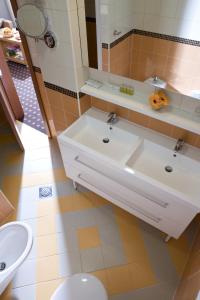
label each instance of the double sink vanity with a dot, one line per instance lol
(148, 174)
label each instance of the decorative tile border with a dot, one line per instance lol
(119, 40)
(105, 46)
(36, 69)
(60, 89)
(152, 34)
(63, 90)
(167, 37)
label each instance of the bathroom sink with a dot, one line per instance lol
(167, 167)
(15, 244)
(117, 142)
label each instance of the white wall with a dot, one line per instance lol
(62, 65)
(172, 17)
(115, 15)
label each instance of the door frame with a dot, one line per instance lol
(34, 79)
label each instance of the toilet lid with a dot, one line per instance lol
(80, 287)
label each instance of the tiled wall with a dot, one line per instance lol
(120, 57)
(62, 65)
(140, 57)
(61, 109)
(116, 15)
(173, 17)
(172, 61)
(190, 284)
(159, 126)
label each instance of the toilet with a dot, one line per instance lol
(81, 287)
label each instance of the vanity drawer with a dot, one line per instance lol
(166, 207)
(128, 197)
(115, 193)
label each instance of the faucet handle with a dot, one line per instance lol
(181, 141)
(112, 114)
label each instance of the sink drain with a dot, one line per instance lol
(2, 266)
(168, 169)
(106, 140)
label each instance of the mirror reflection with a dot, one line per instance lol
(29, 14)
(153, 41)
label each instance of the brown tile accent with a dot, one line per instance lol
(64, 109)
(138, 118)
(70, 104)
(85, 103)
(105, 56)
(189, 137)
(120, 111)
(100, 104)
(160, 126)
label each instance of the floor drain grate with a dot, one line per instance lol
(2, 266)
(45, 192)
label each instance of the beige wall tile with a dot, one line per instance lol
(54, 98)
(105, 56)
(70, 104)
(85, 103)
(188, 137)
(100, 104)
(138, 118)
(160, 126)
(120, 111)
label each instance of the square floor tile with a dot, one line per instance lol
(69, 263)
(92, 259)
(88, 237)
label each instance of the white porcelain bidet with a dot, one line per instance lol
(16, 240)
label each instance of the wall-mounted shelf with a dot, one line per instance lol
(139, 103)
(5, 43)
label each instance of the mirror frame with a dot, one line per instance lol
(45, 18)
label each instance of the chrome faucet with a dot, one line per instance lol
(179, 145)
(112, 118)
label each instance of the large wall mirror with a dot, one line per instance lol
(153, 41)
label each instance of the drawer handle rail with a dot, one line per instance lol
(156, 201)
(136, 208)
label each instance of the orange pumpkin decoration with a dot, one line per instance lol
(158, 99)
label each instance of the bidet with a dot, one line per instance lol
(16, 240)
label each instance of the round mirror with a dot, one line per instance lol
(32, 21)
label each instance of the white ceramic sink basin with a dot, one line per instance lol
(92, 131)
(164, 165)
(15, 244)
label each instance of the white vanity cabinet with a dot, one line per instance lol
(108, 170)
(149, 203)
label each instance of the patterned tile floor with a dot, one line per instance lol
(78, 231)
(26, 92)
